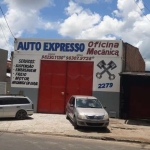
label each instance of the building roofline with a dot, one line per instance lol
(146, 73)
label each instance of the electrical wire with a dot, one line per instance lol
(5, 28)
(141, 10)
(4, 34)
(7, 23)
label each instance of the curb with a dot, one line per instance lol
(118, 139)
(125, 140)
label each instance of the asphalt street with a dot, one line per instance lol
(45, 142)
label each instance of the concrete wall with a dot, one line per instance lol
(108, 99)
(111, 100)
(3, 64)
(132, 59)
(8, 84)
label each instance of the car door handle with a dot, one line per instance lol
(1, 107)
(18, 106)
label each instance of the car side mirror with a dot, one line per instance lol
(71, 105)
(105, 107)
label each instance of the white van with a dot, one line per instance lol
(15, 106)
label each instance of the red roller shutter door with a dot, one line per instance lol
(52, 83)
(72, 78)
(79, 79)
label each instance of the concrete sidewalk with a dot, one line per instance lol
(118, 130)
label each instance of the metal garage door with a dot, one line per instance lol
(139, 102)
(79, 79)
(68, 77)
(52, 83)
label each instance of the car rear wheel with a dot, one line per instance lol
(75, 123)
(21, 115)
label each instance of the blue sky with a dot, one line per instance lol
(78, 19)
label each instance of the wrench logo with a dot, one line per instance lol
(111, 65)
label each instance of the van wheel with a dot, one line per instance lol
(21, 115)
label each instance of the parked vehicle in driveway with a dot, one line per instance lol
(15, 106)
(86, 111)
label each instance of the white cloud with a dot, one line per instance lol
(28, 4)
(144, 48)
(92, 1)
(127, 23)
(127, 9)
(19, 33)
(78, 21)
(50, 26)
(148, 65)
(23, 16)
(86, 1)
(73, 8)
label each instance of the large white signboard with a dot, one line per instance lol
(105, 54)
(25, 72)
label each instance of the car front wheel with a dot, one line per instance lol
(75, 123)
(67, 117)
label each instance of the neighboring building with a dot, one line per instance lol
(8, 66)
(3, 64)
(8, 75)
(50, 71)
(134, 95)
(3, 68)
(132, 59)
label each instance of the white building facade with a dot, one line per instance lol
(50, 71)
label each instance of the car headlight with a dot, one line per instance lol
(81, 116)
(106, 116)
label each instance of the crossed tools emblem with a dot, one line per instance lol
(111, 65)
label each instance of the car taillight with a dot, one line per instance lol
(32, 106)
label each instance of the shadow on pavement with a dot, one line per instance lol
(138, 122)
(92, 129)
(14, 119)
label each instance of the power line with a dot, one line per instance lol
(4, 26)
(4, 35)
(7, 23)
(141, 10)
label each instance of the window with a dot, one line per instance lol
(70, 101)
(23, 101)
(73, 101)
(11, 101)
(88, 103)
(1, 101)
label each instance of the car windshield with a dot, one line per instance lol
(88, 103)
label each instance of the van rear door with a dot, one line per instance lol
(1, 108)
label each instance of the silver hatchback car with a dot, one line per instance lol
(15, 106)
(86, 111)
